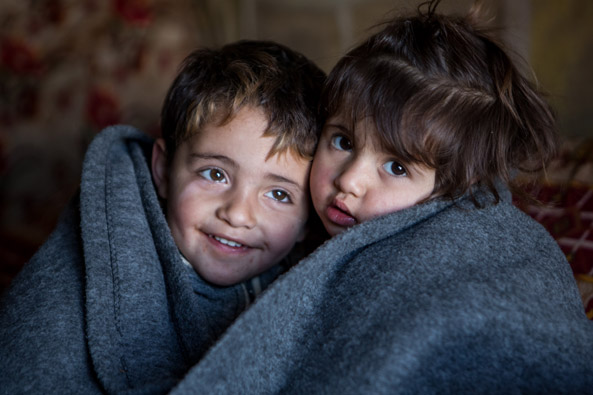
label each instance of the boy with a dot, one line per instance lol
(235, 176)
(122, 298)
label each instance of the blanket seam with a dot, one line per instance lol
(114, 272)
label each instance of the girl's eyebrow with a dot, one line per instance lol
(338, 126)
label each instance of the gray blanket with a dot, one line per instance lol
(106, 305)
(439, 298)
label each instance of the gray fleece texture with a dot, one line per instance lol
(106, 304)
(441, 298)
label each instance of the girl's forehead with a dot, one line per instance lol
(362, 131)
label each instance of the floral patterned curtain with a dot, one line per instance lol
(68, 68)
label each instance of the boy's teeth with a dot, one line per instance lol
(227, 242)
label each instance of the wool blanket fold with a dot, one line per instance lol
(439, 298)
(106, 304)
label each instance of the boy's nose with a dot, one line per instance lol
(238, 210)
(353, 178)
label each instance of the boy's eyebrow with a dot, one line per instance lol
(279, 178)
(231, 162)
(223, 158)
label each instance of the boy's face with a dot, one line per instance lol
(354, 180)
(232, 211)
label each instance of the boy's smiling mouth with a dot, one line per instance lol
(229, 244)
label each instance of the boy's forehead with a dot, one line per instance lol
(243, 131)
(236, 121)
(219, 116)
(288, 155)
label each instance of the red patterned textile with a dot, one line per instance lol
(67, 70)
(567, 212)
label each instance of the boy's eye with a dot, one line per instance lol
(213, 174)
(395, 168)
(341, 142)
(279, 195)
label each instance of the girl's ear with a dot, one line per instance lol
(160, 173)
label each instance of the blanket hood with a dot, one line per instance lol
(438, 298)
(144, 326)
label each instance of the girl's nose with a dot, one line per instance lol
(237, 209)
(353, 178)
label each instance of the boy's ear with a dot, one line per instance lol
(160, 173)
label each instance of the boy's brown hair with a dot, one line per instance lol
(443, 93)
(214, 84)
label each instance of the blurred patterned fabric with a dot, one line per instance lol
(68, 68)
(567, 211)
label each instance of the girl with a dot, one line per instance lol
(430, 107)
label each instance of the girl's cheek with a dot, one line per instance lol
(323, 180)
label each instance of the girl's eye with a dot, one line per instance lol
(395, 169)
(213, 174)
(279, 195)
(341, 142)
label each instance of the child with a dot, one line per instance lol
(122, 298)
(433, 281)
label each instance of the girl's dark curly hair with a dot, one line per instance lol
(443, 93)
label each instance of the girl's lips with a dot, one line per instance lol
(338, 213)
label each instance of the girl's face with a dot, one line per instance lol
(354, 180)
